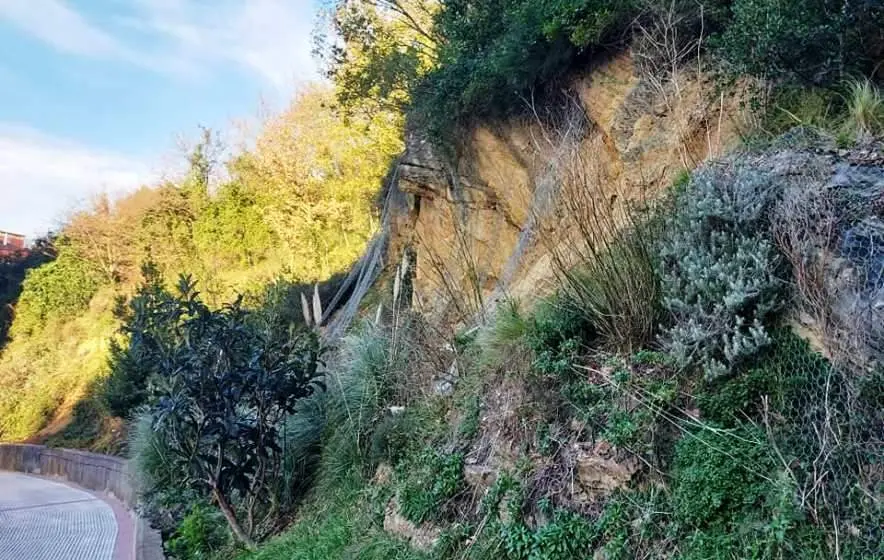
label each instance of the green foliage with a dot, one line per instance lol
(616, 287)
(634, 524)
(556, 331)
(718, 474)
(508, 329)
(148, 323)
(358, 391)
(779, 376)
(567, 535)
(342, 521)
(429, 481)
(220, 411)
(730, 500)
(629, 407)
(56, 290)
(199, 535)
(525, 45)
(13, 269)
(865, 110)
(230, 230)
(792, 105)
(814, 41)
(719, 270)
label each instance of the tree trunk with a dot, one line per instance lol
(230, 516)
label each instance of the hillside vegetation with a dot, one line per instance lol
(699, 376)
(297, 208)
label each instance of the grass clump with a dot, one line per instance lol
(865, 110)
(340, 521)
(616, 286)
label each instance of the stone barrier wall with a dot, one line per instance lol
(100, 473)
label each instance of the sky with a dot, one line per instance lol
(94, 93)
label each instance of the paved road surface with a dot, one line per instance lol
(46, 520)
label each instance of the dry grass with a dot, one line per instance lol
(601, 246)
(808, 228)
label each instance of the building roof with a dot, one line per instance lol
(11, 243)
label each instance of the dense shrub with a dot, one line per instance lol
(58, 289)
(148, 324)
(815, 41)
(13, 269)
(525, 45)
(719, 269)
(556, 331)
(222, 383)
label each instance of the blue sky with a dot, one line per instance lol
(94, 93)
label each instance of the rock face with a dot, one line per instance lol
(601, 469)
(475, 218)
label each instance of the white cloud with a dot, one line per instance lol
(54, 22)
(270, 38)
(42, 178)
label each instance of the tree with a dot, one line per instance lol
(317, 190)
(13, 269)
(226, 380)
(384, 48)
(147, 325)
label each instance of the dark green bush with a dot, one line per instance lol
(57, 289)
(13, 269)
(496, 52)
(555, 334)
(221, 383)
(815, 41)
(718, 474)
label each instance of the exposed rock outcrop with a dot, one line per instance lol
(475, 217)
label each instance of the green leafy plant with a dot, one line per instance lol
(815, 41)
(58, 289)
(226, 385)
(555, 333)
(429, 481)
(198, 535)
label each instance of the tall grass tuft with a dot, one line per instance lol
(503, 336)
(605, 265)
(865, 105)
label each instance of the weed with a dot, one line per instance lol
(428, 482)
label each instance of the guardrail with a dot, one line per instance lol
(100, 473)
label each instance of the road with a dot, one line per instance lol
(42, 519)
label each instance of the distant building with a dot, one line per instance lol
(11, 243)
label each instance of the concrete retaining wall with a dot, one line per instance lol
(100, 473)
